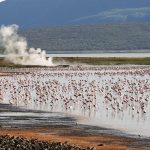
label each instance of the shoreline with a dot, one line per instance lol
(65, 61)
(99, 54)
(74, 134)
(75, 137)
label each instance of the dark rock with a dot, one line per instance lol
(17, 143)
(100, 144)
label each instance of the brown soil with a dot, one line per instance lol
(100, 142)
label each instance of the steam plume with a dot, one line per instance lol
(17, 50)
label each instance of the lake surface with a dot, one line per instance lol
(71, 54)
(115, 97)
(130, 55)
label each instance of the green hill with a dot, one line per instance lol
(90, 38)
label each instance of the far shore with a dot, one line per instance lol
(98, 54)
(90, 59)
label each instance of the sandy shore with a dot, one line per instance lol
(77, 137)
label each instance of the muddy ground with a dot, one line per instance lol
(58, 127)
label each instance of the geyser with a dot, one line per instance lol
(17, 51)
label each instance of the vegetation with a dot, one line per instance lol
(6, 63)
(86, 60)
(102, 61)
(1, 50)
(92, 38)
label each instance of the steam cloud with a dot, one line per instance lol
(17, 51)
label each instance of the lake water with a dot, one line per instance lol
(71, 54)
(130, 55)
(115, 97)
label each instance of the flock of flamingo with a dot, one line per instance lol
(87, 90)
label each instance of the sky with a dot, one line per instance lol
(42, 13)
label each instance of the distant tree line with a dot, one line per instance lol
(90, 37)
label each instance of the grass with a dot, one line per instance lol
(4, 63)
(102, 61)
(86, 60)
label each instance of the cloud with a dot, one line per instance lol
(118, 14)
(2, 0)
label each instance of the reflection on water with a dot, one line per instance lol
(115, 97)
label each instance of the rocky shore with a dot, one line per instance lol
(18, 143)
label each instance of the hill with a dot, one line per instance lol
(92, 38)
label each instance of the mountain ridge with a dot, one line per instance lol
(91, 38)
